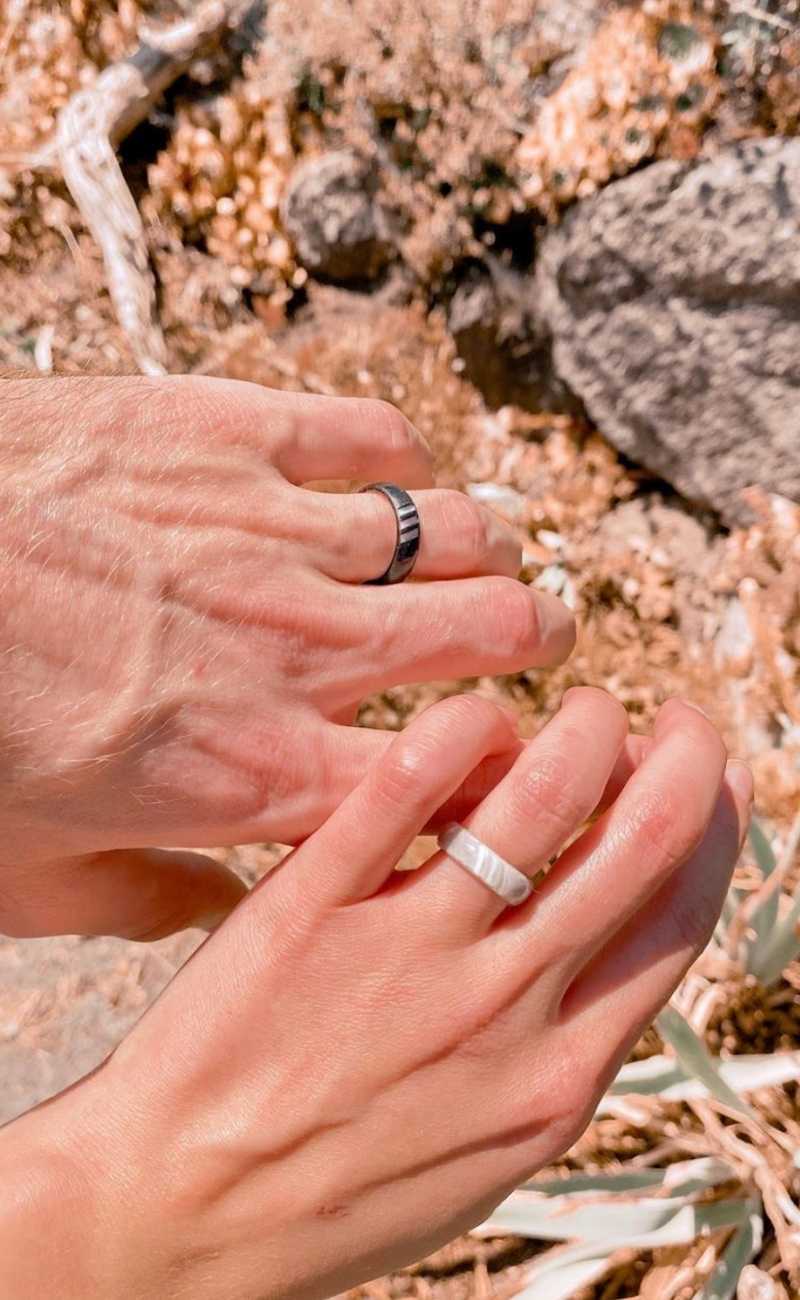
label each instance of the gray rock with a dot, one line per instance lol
(673, 298)
(332, 213)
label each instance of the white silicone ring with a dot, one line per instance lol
(486, 865)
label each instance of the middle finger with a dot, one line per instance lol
(610, 873)
(438, 631)
(554, 786)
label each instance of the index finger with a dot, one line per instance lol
(309, 437)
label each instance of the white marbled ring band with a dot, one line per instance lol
(486, 865)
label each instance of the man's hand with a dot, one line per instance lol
(184, 633)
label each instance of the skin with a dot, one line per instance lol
(185, 637)
(358, 1065)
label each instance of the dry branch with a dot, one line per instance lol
(89, 128)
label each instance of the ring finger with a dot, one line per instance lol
(612, 872)
(554, 786)
(459, 538)
(630, 978)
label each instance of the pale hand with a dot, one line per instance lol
(359, 1064)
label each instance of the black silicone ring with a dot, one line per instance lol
(406, 547)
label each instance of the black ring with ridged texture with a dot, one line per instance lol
(406, 547)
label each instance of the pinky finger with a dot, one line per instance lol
(626, 984)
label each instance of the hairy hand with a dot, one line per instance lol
(184, 633)
(361, 1064)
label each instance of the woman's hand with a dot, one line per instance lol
(360, 1064)
(184, 632)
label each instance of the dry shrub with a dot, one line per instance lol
(42, 63)
(646, 86)
(442, 95)
(455, 100)
(759, 66)
(221, 179)
(438, 90)
(783, 87)
(763, 566)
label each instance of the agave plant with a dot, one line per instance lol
(766, 926)
(723, 1197)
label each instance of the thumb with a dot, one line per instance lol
(140, 894)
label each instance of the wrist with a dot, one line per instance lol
(55, 1209)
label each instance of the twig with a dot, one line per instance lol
(90, 126)
(760, 15)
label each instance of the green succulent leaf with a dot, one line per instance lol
(765, 917)
(742, 1247)
(560, 1273)
(681, 1178)
(661, 1076)
(779, 946)
(697, 1061)
(762, 849)
(640, 1222)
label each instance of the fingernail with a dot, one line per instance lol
(740, 779)
(691, 705)
(571, 690)
(556, 625)
(664, 718)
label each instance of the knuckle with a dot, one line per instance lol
(228, 775)
(141, 407)
(210, 404)
(708, 736)
(411, 773)
(595, 698)
(468, 525)
(403, 781)
(477, 709)
(515, 616)
(669, 828)
(395, 432)
(560, 1093)
(548, 789)
(459, 712)
(692, 920)
(693, 723)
